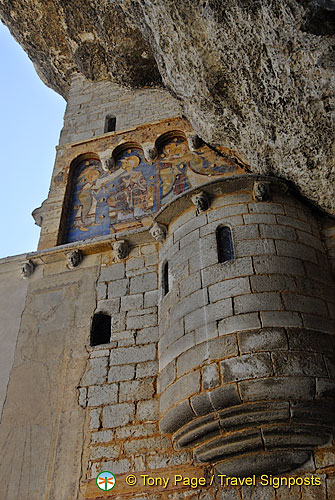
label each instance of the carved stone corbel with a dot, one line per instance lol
(150, 152)
(121, 249)
(38, 214)
(27, 269)
(194, 142)
(201, 202)
(74, 258)
(107, 161)
(262, 191)
(158, 232)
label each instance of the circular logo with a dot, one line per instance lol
(105, 481)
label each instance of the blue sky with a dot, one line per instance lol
(31, 117)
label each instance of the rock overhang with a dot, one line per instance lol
(252, 77)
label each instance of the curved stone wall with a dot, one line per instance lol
(245, 347)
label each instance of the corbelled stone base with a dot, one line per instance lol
(268, 424)
(258, 435)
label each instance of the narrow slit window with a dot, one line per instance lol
(101, 329)
(110, 124)
(166, 284)
(224, 244)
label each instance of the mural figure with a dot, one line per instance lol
(112, 208)
(173, 160)
(89, 208)
(86, 196)
(105, 202)
(134, 186)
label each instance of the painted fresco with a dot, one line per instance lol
(106, 202)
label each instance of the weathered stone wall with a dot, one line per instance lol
(119, 386)
(89, 103)
(42, 427)
(120, 390)
(12, 298)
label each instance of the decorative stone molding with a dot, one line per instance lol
(27, 269)
(200, 201)
(150, 152)
(194, 142)
(121, 250)
(74, 258)
(158, 232)
(262, 191)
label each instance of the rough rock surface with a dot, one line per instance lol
(93, 37)
(255, 76)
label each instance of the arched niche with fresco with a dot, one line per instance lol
(103, 202)
(181, 169)
(128, 196)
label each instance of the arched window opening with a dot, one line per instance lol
(110, 124)
(224, 244)
(101, 329)
(166, 280)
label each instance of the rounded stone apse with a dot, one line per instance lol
(246, 321)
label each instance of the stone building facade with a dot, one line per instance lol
(175, 324)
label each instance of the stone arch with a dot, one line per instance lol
(168, 136)
(121, 148)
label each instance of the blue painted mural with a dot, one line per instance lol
(106, 202)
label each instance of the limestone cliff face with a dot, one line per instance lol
(255, 76)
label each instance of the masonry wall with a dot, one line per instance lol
(120, 391)
(89, 103)
(42, 426)
(130, 383)
(13, 292)
(86, 409)
(119, 386)
(280, 277)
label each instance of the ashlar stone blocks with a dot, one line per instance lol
(250, 311)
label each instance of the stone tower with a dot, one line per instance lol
(176, 324)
